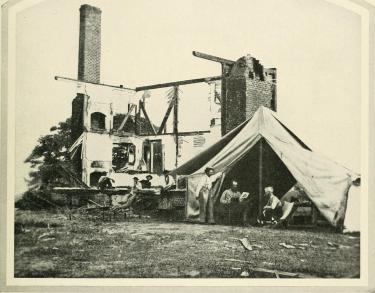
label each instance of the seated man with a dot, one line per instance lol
(234, 200)
(133, 194)
(147, 183)
(273, 209)
(106, 181)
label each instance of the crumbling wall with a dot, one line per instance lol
(248, 86)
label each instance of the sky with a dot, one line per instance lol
(315, 46)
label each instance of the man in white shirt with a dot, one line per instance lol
(133, 194)
(205, 197)
(273, 209)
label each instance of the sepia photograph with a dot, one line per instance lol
(186, 140)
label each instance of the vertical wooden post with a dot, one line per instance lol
(260, 174)
(314, 215)
(175, 122)
(224, 69)
(70, 204)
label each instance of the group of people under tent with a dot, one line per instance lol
(167, 183)
(230, 199)
(239, 202)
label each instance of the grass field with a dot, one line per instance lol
(49, 245)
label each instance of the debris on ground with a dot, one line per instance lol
(44, 235)
(283, 244)
(193, 273)
(245, 242)
(245, 274)
(48, 239)
(278, 274)
(344, 246)
(332, 244)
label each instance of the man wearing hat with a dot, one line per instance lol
(147, 183)
(205, 197)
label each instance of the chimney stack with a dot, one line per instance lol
(247, 87)
(89, 43)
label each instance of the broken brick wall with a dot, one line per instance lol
(248, 86)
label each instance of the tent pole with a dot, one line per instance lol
(260, 174)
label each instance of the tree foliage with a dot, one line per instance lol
(49, 155)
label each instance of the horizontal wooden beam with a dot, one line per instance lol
(186, 133)
(120, 87)
(212, 58)
(177, 83)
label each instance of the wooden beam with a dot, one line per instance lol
(120, 87)
(175, 121)
(126, 117)
(164, 122)
(185, 133)
(142, 106)
(213, 58)
(177, 83)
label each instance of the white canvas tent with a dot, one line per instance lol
(263, 152)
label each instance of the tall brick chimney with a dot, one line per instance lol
(247, 87)
(89, 43)
(88, 70)
(88, 61)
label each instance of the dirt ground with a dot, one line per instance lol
(49, 245)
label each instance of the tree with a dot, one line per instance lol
(49, 155)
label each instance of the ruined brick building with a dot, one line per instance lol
(127, 141)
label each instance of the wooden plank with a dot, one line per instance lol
(212, 58)
(185, 133)
(225, 69)
(95, 203)
(177, 83)
(175, 122)
(142, 106)
(120, 87)
(164, 122)
(276, 272)
(71, 175)
(126, 117)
